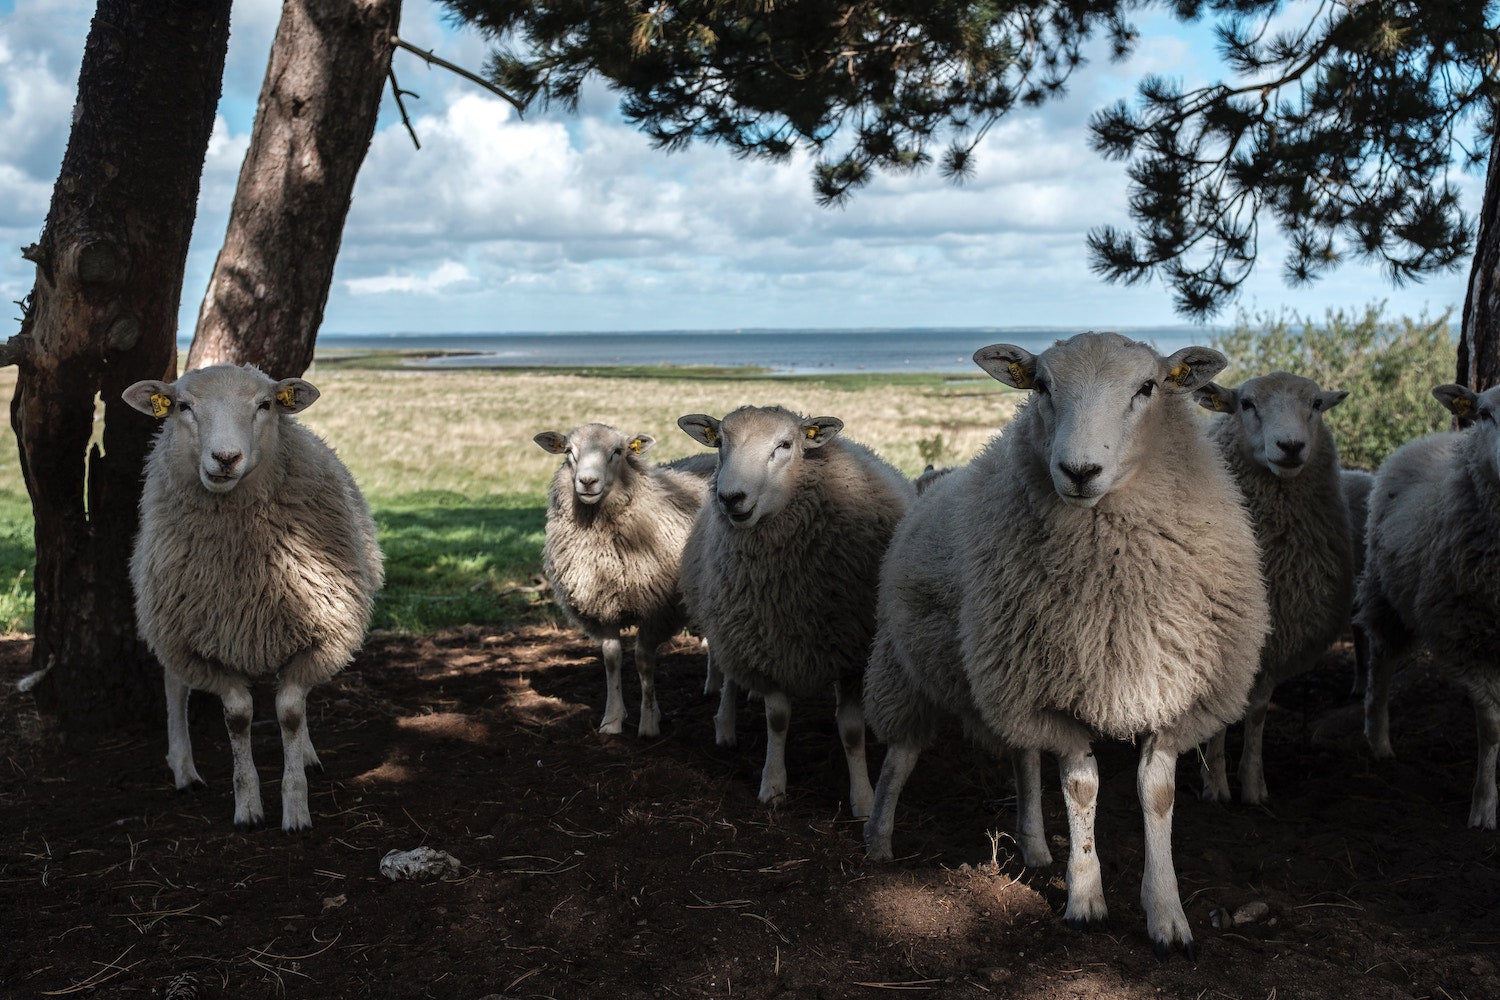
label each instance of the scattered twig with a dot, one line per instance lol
(774, 928)
(108, 972)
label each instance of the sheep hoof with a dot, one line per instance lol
(878, 849)
(192, 787)
(612, 727)
(249, 825)
(646, 732)
(1086, 923)
(1164, 949)
(291, 829)
(1211, 794)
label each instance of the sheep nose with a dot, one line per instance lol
(588, 482)
(227, 459)
(732, 501)
(1080, 474)
(1291, 449)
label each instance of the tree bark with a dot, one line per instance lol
(1479, 341)
(313, 127)
(102, 315)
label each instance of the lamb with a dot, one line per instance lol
(1282, 454)
(256, 559)
(1091, 573)
(1432, 543)
(780, 571)
(615, 530)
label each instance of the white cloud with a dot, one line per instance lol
(444, 276)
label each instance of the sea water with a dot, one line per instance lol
(784, 351)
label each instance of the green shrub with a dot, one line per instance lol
(1389, 368)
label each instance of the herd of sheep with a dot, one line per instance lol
(1115, 565)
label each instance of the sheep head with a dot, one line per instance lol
(1477, 411)
(597, 454)
(1092, 395)
(1280, 415)
(221, 420)
(761, 451)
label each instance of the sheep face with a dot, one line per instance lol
(1280, 415)
(1479, 409)
(221, 419)
(761, 451)
(1092, 394)
(597, 453)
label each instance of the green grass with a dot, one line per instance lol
(17, 562)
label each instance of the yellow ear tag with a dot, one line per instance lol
(635, 445)
(1180, 373)
(161, 404)
(711, 436)
(287, 397)
(1461, 406)
(1018, 376)
(1218, 402)
(812, 432)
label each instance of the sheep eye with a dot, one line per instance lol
(265, 404)
(1146, 389)
(183, 407)
(1488, 415)
(619, 452)
(1317, 404)
(1040, 386)
(784, 445)
(1247, 406)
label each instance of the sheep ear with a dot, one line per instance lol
(293, 395)
(818, 431)
(552, 441)
(701, 427)
(1458, 399)
(151, 397)
(1192, 367)
(1015, 366)
(1213, 396)
(1325, 401)
(641, 443)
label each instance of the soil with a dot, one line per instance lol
(608, 866)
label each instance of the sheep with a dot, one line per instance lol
(1282, 454)
(1091, 573)
(615, 530)
(780, 571)
(256, 558)
(1432, 543)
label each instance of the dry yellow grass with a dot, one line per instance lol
(470, 432)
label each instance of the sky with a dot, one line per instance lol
(566, 221)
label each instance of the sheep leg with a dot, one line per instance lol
(614, 694)
(728, 713)
(1361, 658)
(900, 758)
(714, 680)
(179, 738)
(1214, 770)
(1027, 765)
(1482, 806)
(291, 712)
(645, 667)
(1156, 785)
(1080, 783)
(850, 715)
(1378, 701)
(773, 775)
(1252, 773)
(238, 712)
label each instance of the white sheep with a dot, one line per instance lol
(1433, 542)
(615, 530)
(780, 571)
(1092, 573)
(256, 559)
(1282, 454)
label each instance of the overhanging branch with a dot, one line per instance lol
(434, 60)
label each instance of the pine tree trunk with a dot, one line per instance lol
(102, 315)
(1479, 343)
(313, 127)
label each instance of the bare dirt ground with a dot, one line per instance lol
(597, 866)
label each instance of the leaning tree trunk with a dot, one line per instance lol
(103, 314)
(313, 126)
(1479, 343)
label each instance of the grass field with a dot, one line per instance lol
(459, 490)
